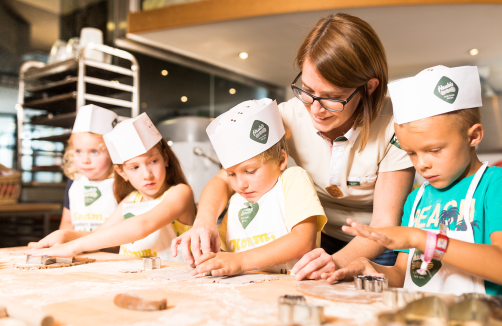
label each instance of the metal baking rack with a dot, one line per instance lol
(60, 89)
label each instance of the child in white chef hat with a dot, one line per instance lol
(89, 199)
(275, 216)
(451, 235)
(156, 203)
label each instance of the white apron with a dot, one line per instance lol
(91, 203)
(158, 243)
(445, 277)
(252, 225)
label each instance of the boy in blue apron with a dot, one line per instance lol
(275, 216)
(451, 235)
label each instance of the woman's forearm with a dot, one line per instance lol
(213, 200)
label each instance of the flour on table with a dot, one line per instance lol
(344, 292)
(183, 275)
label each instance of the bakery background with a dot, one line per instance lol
(184, 69)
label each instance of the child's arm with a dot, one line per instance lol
(66, 220)
(66, 235)
(482, 260)
(177, 202)
(291, 246)
(363, 266)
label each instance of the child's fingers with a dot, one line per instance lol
(219, 272)
(185, 249)
(174, 246)
(205, 257)
(307, 258)
(313, 266)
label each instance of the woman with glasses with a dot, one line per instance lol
(341, 130)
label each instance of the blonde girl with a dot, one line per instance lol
(156, 203)
(89, 199)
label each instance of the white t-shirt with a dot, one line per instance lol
(342, 164)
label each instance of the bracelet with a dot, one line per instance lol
(441, 246)
(428, 253)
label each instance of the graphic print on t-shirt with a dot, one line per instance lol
(91, 194)
(449, 215)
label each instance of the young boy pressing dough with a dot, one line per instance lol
(275, 216)
(451, 235)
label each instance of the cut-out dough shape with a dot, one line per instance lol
(183, 275)
(343, 292)
(77, 261)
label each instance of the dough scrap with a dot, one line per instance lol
(343, 292)
(183, 275)
(131, 271)
(77, 261)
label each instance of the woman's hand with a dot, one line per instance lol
(222, 263)
(64, 250)
(392, 238)
(313, 265)
(360, 266)
(54, 239)
(201, 239)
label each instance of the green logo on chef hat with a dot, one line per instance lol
(446, 89)
(91, 194)
(259, 132)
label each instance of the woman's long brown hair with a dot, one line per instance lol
(174, 173)
(347, 52)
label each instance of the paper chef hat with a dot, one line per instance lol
(435, 91)
(131, 138)
(246, 130)
(95, 119)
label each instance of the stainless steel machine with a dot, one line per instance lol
(189, 141)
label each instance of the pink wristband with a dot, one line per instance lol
(430, 246)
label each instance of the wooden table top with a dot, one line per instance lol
(83, 295)
(30, 207)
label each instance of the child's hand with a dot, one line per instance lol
(64, 250)
(222, 263)
(360, 266)
(55, 238)
(392, 238)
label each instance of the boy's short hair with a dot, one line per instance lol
(274, 152)
(461, 120)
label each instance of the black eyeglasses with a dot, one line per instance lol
(329, 104)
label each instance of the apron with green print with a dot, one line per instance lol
(91, 203)
(158, 243)
(252, 225)
(442, 277)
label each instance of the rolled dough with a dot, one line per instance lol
(183, 275)
(135, 302)
(76, 261)
(343, 292)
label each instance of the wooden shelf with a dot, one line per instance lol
(62, 138)
(63, 120)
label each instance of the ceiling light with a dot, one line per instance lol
(232, 91)
(170, 143)
(164, 72)
(473, 51)
(243, 55)
(184, 99)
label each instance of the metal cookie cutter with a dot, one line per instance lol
(294, 310)
(370, 283)
(40, 260)
(151, 263)
(397, 298)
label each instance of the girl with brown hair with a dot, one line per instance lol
(156, 203)
(341, 131)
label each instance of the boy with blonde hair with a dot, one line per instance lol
(275, 216)
(452, 223)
